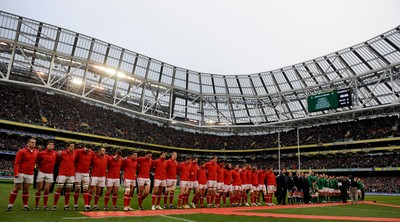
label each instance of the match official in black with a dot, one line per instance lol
(281, 182)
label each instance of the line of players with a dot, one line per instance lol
(311, 187)
(325, 188)
(92, 172)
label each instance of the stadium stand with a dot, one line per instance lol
(62, 112)
(382, 184)
(388, 183)
(82, 90)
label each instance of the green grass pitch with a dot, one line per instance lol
(60, 215)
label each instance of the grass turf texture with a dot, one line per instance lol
(60, 215)
(361, 210)
(395, 200)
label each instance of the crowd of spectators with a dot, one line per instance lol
(6, 166)
(357, 160)
(11, 143)
(382, 184)
(62, 112)
(391, 159)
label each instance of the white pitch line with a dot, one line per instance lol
(176, 218)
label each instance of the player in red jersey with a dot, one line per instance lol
(212, 178)
(243, 179)
(248, 185)
(184, 174)
(271, 185)
(202, 179)
(66, 175)
(98, 177)
(144, 177)
(24, 165)
(236, 184)
(254, 186)
(45, 162)
(172, 165)
(220, 183)
(129, 166)
(194, 184)
(261, 184)
(227, 187)
(113, 179)
(160, 176)
(82, 177)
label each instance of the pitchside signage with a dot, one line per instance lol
(329, 100)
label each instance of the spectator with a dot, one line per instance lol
(62, 112)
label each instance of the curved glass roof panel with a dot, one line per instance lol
(42, 55)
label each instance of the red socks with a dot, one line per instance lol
(56, 197)
(25, 196)
(114, 199)
(13, 196)
(45, 198)
(66, 197)
(38, 193)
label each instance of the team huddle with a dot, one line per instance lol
(84, 171)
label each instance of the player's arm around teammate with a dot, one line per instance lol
(113, 179)
(45, 161)
(82, 176)
(66, 175)
(129, 166)
(98, 177)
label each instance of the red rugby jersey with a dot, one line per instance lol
(211, 171)
(67, 163)
(46, 161)
(271, 180)
(99, 165)
(25, 161)
(227, 177)
(172, 165)
(144, 166)
(248, 176)
(236, 181)
(83, 159)
(254, 178)
(194, 168)
(243, 178)
(261, 177)
(184, 171)
(114, 167)
(129, 167)
(220, 174)
(159, 165)
(202, 175)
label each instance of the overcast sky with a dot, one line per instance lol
(220, 36)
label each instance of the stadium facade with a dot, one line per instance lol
(56, 60)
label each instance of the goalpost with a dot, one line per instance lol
(298, 150)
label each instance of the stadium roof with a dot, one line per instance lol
(49, 57)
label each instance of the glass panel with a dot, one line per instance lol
(167, 75)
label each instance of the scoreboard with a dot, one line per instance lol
(344, 97)
(329, 100)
